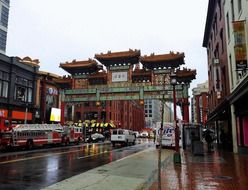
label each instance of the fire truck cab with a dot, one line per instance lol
(72, 134)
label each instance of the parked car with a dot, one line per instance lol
(122, 136)
(96, 137)
(144, 134)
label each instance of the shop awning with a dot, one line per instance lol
(111, 125)
(104, 125)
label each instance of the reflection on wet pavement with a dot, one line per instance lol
(40, 168)
(211, 171)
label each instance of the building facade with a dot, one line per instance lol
(152, 112)
(18, 88)
(47, 96)
(219, 89)
(226, 41)
(200, 103)
(236, 14)
(4, 12)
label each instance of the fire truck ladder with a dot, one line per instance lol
(36, 127)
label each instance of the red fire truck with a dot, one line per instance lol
(29, 135)
(4, 124)
(72, 134)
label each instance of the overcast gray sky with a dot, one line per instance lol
(56, 31)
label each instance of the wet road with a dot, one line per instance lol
(40, 168)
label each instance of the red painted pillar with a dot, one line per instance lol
(62, 120)
(185, 109)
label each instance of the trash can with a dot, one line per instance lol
(197, 147)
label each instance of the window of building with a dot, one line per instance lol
(239, 6)
(20, 93)
(4, 84)
(228, 26)
(219, 4)
(216, 51)
(215, 28)
(23, 90)
(232, 8)
(222, 40)
(30, 94)
(3, 38)
(6, 1)
(4, 16)
(5, 89)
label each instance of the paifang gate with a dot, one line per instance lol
(127, 75)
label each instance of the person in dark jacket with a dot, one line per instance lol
(209, 140)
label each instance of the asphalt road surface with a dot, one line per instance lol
(36, 169)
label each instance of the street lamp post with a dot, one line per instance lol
(177, 156)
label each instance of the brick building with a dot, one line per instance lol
(219, 89)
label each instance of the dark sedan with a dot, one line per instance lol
(96, 137)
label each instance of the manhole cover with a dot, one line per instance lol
(223, 177)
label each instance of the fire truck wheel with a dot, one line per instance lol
(29, 144)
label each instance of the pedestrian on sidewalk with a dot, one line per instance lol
(209, 140)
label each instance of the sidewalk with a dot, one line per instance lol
(216, 170)
(137, 171)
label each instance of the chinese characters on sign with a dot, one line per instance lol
(119, 77)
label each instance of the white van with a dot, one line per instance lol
(122, 136)
(168, 135)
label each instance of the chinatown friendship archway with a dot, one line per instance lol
(125, 79)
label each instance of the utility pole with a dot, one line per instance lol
(160, 137)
